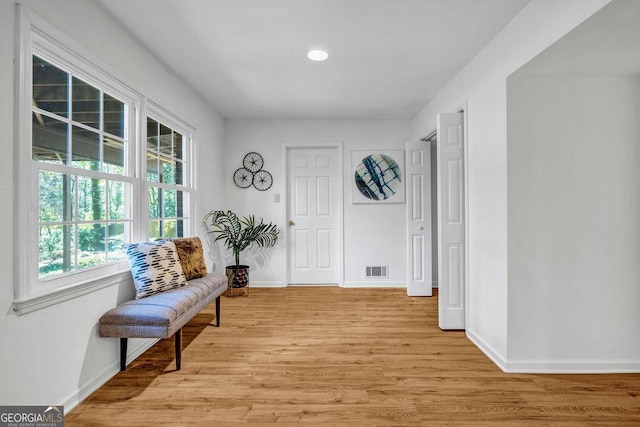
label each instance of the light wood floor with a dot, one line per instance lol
(353, 357)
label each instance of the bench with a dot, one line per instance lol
(163, 314)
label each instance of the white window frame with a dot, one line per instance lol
(36, 36)
(161, 115)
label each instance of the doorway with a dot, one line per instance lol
(437, 218)
(314, 215)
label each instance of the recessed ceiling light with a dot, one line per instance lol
(317, 55)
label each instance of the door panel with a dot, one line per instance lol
(418, 162)
(451, 220)
(313, 215)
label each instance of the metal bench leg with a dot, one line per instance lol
(178, 341)
(218, 311)
(123, 354)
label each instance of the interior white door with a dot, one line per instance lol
(451, 221)
(418, 161)
(313, 197)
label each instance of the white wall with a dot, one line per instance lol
(574, 209)
(55, 355)
(482, 83)
(373, 234)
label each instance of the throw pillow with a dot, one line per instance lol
(191, 257)
(155, 267)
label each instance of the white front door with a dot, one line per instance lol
(451, 221)
(418, 175)
(314, 209)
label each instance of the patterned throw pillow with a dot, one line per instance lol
(155, 267)
(191, 257)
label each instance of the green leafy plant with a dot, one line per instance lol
(239, 234)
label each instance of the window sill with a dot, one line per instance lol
(40, 301)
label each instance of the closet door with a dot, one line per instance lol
(418, 218)
(451, 221)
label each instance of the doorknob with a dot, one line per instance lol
(291, 222)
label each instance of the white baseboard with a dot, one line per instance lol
(489, 351)
(253, 284)
(576, 366)
(374, 284)
(557, 366)
(83, 391)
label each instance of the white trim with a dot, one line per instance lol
(75, 53)
(75, 397)
(254, 284)
(489, 351)
(285, 202)
(45, 299)
(374, 284)
(572, 366)
(465, 135)
(23, 211)
(553, 366)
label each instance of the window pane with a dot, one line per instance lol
(169, 229)
(154, 229)
(116, 200)
(152, 135)
(166, 140)
(116, 238)
(179, 168)
(168, 170)
(49, 139)
(91, 245)
(152, 167)
(169, 203)
(180, 228)
(55, 253)
(113, 116)
(85, 149)
(50, 88)
(178, 146)
(113, 155)
(86, 103)
(91, 199)
(180, 204)
(154, 202)
(56, 197)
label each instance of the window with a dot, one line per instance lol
(78, 145)
(167, 180)
(98, 165)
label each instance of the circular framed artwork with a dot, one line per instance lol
(253, 162)
(262, 180)
(378, 177)
(243, 178)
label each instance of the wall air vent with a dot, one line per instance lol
(377, 271)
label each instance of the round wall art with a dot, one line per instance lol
(378, 177)
(251, 173)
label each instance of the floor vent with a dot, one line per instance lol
(377, 271)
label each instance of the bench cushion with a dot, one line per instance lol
(163, 314)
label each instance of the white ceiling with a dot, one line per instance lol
(247, 58)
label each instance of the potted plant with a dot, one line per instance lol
(237, 235)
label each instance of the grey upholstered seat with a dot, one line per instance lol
(164, 314)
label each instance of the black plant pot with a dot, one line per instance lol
(238, 277)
